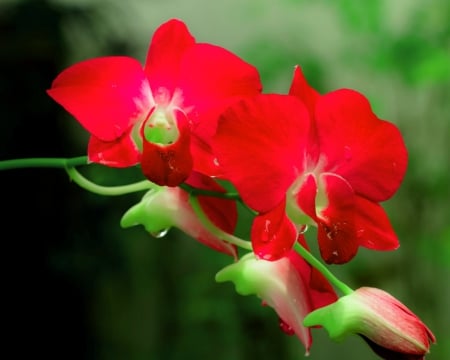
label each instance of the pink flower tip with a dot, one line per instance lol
(390, 328)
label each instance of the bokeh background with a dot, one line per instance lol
(77, 286)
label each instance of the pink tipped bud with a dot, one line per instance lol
(384, 322)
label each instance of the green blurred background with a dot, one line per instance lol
(77, 286)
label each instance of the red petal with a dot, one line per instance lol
(106, 95)
(210, 75)
(388, 354)
(222, 212)
(306, 196)
(212, 78)
(119, 153)
(320, 291)
(273, 234)
(301, 89)
(205, 161)
(186, 220)
(168, 165)
(336, 228)
(368, 152)
(373, 228)
(260, 144)
(168, 46)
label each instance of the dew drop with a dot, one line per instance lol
(159, 234)
(303, 229)
(265, 235)
(267, 257)
(287, 329)
(359, 233)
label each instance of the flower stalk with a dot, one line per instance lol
(311, 259)
(86, 184)
(43, 163)
(214, 229)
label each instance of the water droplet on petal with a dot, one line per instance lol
(359, 233)
(267, 257)
(303, 229)
(265, 235)
(287, 329)
(159, 234)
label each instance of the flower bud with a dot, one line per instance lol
(287, 285)
(390, 328)
(165, 207)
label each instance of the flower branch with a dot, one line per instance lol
(43, 163)
(214, 229)
(195, 192)
(108, 190)
(311, 259)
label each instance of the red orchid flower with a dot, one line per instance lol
(304, 156)
(160, 115)
(354, 161)
(165, 207)
(288, 285)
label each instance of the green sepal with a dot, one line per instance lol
(151, 212)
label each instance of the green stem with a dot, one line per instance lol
(108, 190)
(195, 192)
(344, 288)
(214, 229)
(226, 195)
(43, 163)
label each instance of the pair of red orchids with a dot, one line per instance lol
(195, 117)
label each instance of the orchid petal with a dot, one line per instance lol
(309, 96)
(273, 234)
(169, 43)
(221, 212)
(301, 89)
(211, 75)
(320, 290)
(106, 95)
(212, 78)
(355, 144)
(336, 221)
(205, 160)
(373, 228)
(122, 152)
(306, 196)
(260, 145)
(168, 164)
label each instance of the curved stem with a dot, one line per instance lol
(214, 229)
(108, 190)
(43, 163)
(344, 288)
